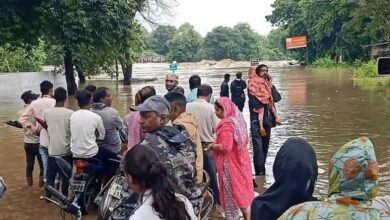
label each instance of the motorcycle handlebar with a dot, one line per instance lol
(63, 199)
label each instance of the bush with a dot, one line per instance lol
(327, 62)
(365, 70)
(21, 59)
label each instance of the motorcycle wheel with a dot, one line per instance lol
(92, 188)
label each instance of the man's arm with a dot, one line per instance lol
(101, 131)
(25, 118)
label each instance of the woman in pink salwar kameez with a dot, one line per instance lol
(232, 160)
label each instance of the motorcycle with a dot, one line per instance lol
(66, 204)
(86, 182)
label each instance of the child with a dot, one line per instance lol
(260, 85)
(31, 143)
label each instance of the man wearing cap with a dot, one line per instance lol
(31, 142)
(35, 111)
(171, 83)
(173, 146)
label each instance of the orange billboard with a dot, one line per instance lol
(296, 42)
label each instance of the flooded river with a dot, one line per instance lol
(327, 108)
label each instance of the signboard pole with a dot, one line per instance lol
(307, 55)
(173, 66)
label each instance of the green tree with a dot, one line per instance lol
(222, 43)
(330, 26)
(160, 38)
(185, 44)
(276, 40)
(247, 41)
(92, 34)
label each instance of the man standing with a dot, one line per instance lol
(171, 83)
(260, 143)
(172, 145)
(195, 82)
(178, 116)
(237, 89)
(225, 86)
(35, 111)
(58, 128)
(31, 143)
(204, 113)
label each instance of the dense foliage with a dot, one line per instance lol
(18, 59)
(335, 29)
(89, 35)
(238, 43)
(365, 70)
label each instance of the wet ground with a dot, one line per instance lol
(327, 108)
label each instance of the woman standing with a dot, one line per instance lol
(147, 176)
(232, 160)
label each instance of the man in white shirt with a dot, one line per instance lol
(204, 113)
(57, 120)
(85, 127)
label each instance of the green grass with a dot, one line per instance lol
(366, 70)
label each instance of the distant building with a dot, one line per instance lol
(378, 49)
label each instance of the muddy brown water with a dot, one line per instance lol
(327, 108)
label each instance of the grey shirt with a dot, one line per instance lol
(204, 113)
(58, 129)
(112, 123)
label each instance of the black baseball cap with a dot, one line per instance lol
(29, 95)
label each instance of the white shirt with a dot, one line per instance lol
(145, 210)
(83, 125)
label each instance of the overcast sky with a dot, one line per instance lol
(204, 15)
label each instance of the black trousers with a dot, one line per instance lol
(260, 144)
(240, 102)
(104, 156)
(32, 151)
(210, 167)
(52, 171)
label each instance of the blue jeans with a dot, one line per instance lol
(260, 144)
(210, 168)
(45, 156)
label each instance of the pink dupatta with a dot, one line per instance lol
(231, 113)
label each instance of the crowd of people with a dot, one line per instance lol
(175, 141)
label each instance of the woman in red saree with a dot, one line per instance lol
(232, 160)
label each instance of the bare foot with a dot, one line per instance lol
(277, 121)
(262, 132)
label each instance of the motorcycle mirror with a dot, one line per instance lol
(383, 65)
